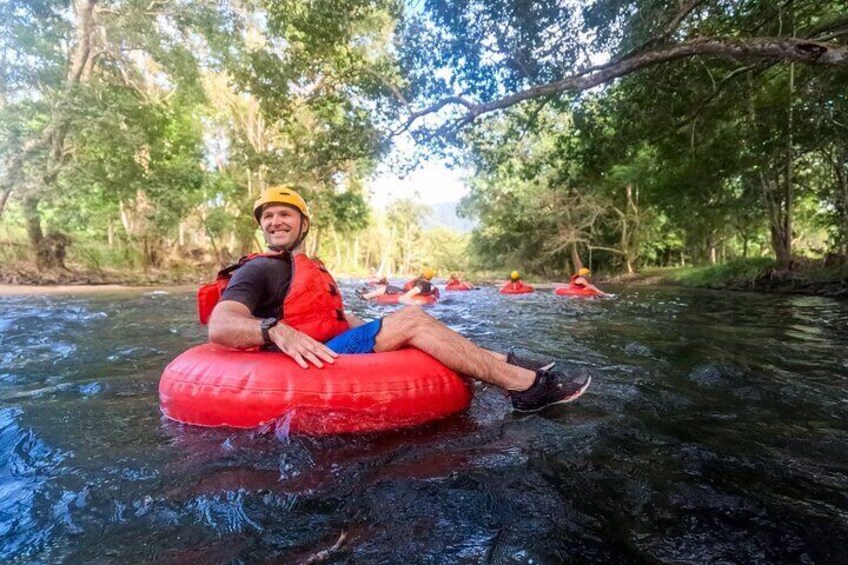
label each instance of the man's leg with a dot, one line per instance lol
(379, 291)
(413, 327)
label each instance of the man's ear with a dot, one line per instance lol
(305, 221)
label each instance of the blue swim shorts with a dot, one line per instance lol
(357, 340)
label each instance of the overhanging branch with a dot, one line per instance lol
(750, 49)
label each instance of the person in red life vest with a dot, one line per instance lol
(284, 300)
(581, 280)
(515, 285)
(377, 280)
(456, 280)
(418, 286)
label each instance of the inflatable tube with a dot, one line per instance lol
(576, 291)
(417, 299)
(210, 385)
(460, 286)
(422, 299)
(509, 288)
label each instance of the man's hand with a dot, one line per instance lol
(300, 347)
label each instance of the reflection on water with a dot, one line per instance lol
(715, 432)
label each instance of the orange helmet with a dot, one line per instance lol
(280, 195)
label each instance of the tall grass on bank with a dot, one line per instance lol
(708, 276)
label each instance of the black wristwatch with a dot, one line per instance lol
(265, 326)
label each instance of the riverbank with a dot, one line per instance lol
(29, 290)
(27, 275)
(753, 275)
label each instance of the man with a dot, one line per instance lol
(455, 280)
(581, 280)
(418, 286)
(377, 279)
(289, 301)
(515, 285)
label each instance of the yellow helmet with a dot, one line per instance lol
(428, 273)
(584, 272)
(515, 275)
(280, 195)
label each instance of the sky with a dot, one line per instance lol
(432, 182)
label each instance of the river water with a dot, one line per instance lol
(716, 430)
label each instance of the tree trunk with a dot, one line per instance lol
(775, 200)
(790, 172)
(837, 157)
(315, 236)
(50, 250)
(33, 226)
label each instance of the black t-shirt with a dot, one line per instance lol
(261, 284)
(423, 285)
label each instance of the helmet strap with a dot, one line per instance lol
(299, 239)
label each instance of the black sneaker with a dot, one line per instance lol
(551, 387)
(527, 363)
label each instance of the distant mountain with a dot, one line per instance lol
(444, 216)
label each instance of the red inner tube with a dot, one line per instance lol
(510, 288)
(460, 286)
(576, 291)
(418, 298)
(210, 385)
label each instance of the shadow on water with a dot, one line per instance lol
(715, 432)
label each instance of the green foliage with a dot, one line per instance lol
(701, 159)
(445, 250)
(717, 275)
(189, 109)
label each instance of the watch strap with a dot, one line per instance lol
(265, 327)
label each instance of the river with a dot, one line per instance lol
(716, 430)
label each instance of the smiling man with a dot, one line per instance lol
(285, 301)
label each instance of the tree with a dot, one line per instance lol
(504, 53)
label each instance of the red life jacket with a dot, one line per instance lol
(313, 303)
(574, 278)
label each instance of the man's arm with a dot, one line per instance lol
(590, 286)
(406, 297)
(232, 325)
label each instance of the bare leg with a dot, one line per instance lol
(413, 327)
(495, 354)
(379, 291)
